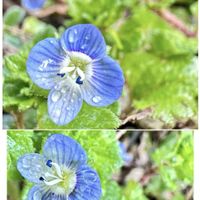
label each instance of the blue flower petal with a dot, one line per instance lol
(33, 4)
(43, 63)
(39, 192)
(106, 83)
(88, 185)
(35, 193)
(64, 151)
(64, 102)
(49, 195)
(85, 38)
(32, 167)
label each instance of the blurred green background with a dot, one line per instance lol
(155, 42)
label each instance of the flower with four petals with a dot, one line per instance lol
(61, 172)
(75, 68)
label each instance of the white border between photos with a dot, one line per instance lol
(3, 166)
(196, 165)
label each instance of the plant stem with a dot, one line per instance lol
(19, 118)
(175, 22)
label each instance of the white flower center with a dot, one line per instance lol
(61, 180)
(75, 65)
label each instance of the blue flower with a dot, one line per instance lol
(33, 4)
(61, 172)
(75, 68)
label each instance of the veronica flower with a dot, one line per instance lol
(75, 68)
(33, 4)
(61, 172)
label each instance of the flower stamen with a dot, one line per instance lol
(53, 182)
(57, 168)
(74, 65)
(61, 75)
(79, 81)
(49, 163)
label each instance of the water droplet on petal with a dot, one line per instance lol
(51, 41)
(37, 195)
(88, 191)
(72, 100)
(64, 90)
(90, 177)
(64, 99)
(57, 113)
(83, 46)
(56, 87)
(96, 99)
(82, 157)
(37, 76)
(82, 188)
(40, 68)
(26, 163)
(72, 36)
(44, 64)
(87, 37)
(73, 76)
(55, 96)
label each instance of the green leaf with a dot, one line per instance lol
(12, 41)
(175, 152)
(26, 188)
(20, 94)
(166, 43)
(30, 118)
(160, 66)
(14, 15)
(194, 9)
(157, 188)
(112, 188)
(169, 86)
(19, 143)
(101, 13)
(30, 22)
(89, 117)
(16, 64)
(133, 191)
